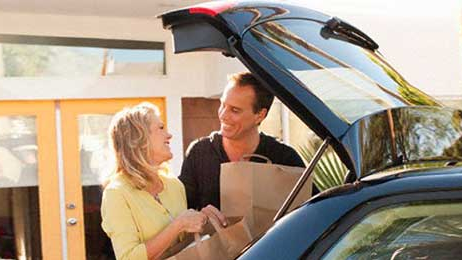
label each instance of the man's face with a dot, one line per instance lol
(237, 118)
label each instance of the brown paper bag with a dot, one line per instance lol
(224, 243)
(258, 190)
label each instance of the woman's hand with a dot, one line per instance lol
(188, 221)
(214, 214)
(191, 221)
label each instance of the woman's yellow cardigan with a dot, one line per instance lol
(131, 216)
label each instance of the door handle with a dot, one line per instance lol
(70, 206)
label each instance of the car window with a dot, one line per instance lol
(406, 231)
(351, 81)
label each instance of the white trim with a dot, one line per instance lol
(62, 199)
(285, 121)
(83, 26)
(96, 87)
(175, 127)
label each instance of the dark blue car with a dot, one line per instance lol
(402, 198)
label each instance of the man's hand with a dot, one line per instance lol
(215, 215)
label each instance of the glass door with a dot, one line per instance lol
(86, 163)
(29, 187)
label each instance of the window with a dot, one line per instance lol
(37, 56)
(431, 230)
(19, 196)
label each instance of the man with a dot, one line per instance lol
(244, 105)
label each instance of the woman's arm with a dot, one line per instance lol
(119, 225)
(188, 221)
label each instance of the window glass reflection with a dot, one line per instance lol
(27, 60)
(408, 231)
(95, 157)
(96, 163)
(410, 138)
(350, 80)
(19, 201)
(18, 151)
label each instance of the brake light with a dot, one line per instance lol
(212, 8)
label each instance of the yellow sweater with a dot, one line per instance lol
(131, 216)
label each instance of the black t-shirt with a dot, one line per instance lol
(200, 172)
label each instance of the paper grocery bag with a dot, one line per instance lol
(223, 243)
(258, 190)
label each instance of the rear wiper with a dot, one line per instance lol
(340, 30)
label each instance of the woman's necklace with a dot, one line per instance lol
(156, 197)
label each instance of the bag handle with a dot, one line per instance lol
(214, 224)
(250, 155)
(197, 238)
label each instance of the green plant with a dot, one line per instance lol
(329, 171)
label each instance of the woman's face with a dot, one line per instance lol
(160, 142)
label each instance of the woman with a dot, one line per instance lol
(143, 208)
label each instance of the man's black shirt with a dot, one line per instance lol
(200, 172)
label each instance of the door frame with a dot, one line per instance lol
(69, 111)
(47, 170)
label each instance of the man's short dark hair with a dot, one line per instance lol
(263, 98)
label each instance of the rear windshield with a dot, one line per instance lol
(350, 80)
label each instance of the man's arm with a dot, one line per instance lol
(189, 178)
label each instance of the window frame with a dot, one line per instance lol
(87, 42)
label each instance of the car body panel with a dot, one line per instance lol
(308, 225)
(237, 16)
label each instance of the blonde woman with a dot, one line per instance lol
(144, 209)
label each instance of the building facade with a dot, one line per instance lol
(66, 67)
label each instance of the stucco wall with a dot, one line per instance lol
(190, 74)
(181, 69)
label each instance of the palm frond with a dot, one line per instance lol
(329, 171)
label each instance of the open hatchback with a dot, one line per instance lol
(403, 150)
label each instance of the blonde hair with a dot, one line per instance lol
(129, 134)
